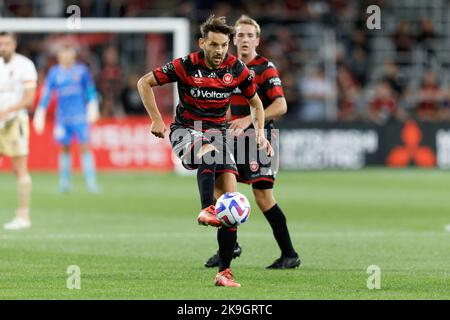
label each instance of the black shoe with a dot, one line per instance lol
(214, 260)
(285, 263)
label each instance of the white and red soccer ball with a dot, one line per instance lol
(232, 209)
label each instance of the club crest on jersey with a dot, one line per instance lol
(254, 166)
(227, 78)
(252, 73)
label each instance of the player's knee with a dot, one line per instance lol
(24, 178)
(205, 149)
(264, 200)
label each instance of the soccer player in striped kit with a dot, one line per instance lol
(260, 174)
(205, 81)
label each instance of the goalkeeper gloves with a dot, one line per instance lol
(93, 111)
(39, 120)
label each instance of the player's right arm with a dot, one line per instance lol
(41, 110)
(157, 77)
(144, 85)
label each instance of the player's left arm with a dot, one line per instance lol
(248, 87)
(257, 115)
(92, 108)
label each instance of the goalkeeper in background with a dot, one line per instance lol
(77, 108)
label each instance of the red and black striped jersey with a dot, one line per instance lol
(269, 87)
(205, 93)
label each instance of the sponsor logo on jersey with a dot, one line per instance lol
(198, 77)
(254, 166)
(275, 81)
(227, 78)
(168, 67)
(199, 93)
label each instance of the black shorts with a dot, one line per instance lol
(255, 167)
(186, 142)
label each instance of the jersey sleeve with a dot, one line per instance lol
(271, 83)
(167, 73)
(47, 88)
(247, 83)
(29, 74)
(89, 85)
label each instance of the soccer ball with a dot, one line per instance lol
(232, 209)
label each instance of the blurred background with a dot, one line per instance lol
(356, 96)
(360, 102)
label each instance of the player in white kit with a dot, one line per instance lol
(18, 79)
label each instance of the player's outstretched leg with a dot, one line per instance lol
(226, 238)
(206, 181)
(277, 220)
(65, 165)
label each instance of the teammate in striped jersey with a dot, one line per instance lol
(260, 174)
(205, 81)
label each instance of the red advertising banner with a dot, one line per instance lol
(117, 144)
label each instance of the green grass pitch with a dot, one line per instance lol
(139, 238)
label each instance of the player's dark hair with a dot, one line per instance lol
(216, 24)
(8, 33)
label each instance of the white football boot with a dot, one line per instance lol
(17, 223)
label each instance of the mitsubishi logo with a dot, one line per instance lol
(411, 151)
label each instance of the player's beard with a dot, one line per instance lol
(6, 56)
(212, 59)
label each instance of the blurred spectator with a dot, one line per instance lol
(291, 92)
(403, 42)
(427, 36)
(445, 114)
(130, 98)
(359, 40)
(430, 98)
(316, 90)
(110, 83)
(292, 36)
(384, 106)
(117, 8)
(349, 95)
(51, 8)
(359, 64)
(397, 81)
